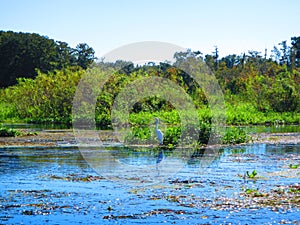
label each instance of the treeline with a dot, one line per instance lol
(270, 83)
(267, 83)
(257, 89)
(22, 54)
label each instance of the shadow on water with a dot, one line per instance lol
(56, 185)
(38, 157)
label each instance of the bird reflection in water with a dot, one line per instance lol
(160, 137)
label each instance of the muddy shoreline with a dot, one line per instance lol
(57, 138)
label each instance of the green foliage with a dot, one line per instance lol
(139, 135)
(284, 95)
(103, 120)
(174, 133)
(8, 132)
(48, 98)
(279, 93)
(254, 193)
(235, 135)
(240, 112)
(7, 112)
(172, 136)
(21, 54)
(251, 175)
(257, 90)
(243, 113)
(84, 55)
(291, 166)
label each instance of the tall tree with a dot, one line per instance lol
(65, 55)
(295, 51)
(231, 60)
(216, 57)
(85, 55)
(21, 54)
(285, 53)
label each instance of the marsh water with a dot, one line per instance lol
(57, 185)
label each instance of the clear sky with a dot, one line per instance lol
(235, 26)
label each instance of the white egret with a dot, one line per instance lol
(159, 134)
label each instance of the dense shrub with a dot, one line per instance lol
(235, 135)
(48, 98)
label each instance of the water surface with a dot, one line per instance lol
(57, 186)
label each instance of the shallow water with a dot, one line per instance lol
(57, 186)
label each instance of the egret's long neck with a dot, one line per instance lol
(156, 125)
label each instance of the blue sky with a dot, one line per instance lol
(235, 26)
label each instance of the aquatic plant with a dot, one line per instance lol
(31, 133)
(76, 178)
(251, 175)
(294, 189)
(172, 136)
(291, 166)
(8, 132)
(110, 208)
(139, 135)
(236, 135)
(254, 192)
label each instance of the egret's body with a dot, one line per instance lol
(159, 134)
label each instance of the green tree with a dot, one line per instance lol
(65, 55)
(85, 55)
(284, 94)
(285, 54)
(22, 54)
(295, 51)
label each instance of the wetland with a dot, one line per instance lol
(46, 178)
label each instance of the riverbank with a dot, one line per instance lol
(65, 137)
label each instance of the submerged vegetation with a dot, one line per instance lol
(257, 90)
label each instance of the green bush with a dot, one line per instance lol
(8, 132)
(172, 136)
(7, 112)
(235, 135)
(47, 98)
